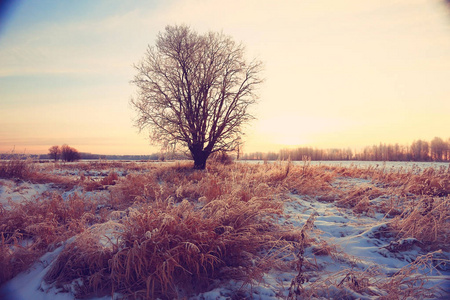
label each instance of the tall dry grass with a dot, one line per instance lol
(83, 268)
(16, 167)
(429, 181)
(30, 228)
(427, 220)
(166, 250)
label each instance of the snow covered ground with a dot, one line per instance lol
(356, 248)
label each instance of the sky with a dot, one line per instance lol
(338, 74)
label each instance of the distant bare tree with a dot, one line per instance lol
(69, 154)
(419, 150)
(195, 90)
(54, 152)
(438, 149)
(447, 151)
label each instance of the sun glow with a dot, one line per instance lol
(290, 130)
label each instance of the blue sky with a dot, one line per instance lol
(338, 73)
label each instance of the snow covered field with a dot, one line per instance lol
(327, 231)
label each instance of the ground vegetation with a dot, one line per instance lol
(272, 230)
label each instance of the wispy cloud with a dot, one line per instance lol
(106, 45)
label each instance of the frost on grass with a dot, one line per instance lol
(267, 231)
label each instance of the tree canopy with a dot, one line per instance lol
(195, 91)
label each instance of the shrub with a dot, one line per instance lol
(69, 154)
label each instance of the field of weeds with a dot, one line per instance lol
(124, 230)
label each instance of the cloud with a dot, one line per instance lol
(96, 46)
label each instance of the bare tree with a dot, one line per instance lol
(438, 149)
(69, 154)
(195, 90)
(54, 152)
(419, 150)
(448, 150)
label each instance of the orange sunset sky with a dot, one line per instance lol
(341, 74)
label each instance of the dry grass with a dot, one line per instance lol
(180, 181)
(31, 228)
(166, 250)
(14, 256)
(174, 231)
(419, 203)
(417, 199)
(16, 167)
(83, 267)
(426, 220)
(410, 282)
(187, 229)
(22, 168)
(296, 287)
(104, 165)
(90, 184)
(313, 181)
(429, 182)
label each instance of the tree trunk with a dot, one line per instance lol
(200, 156)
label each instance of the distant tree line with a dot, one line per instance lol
(420, 150)
(119, 157)
(67, 153)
